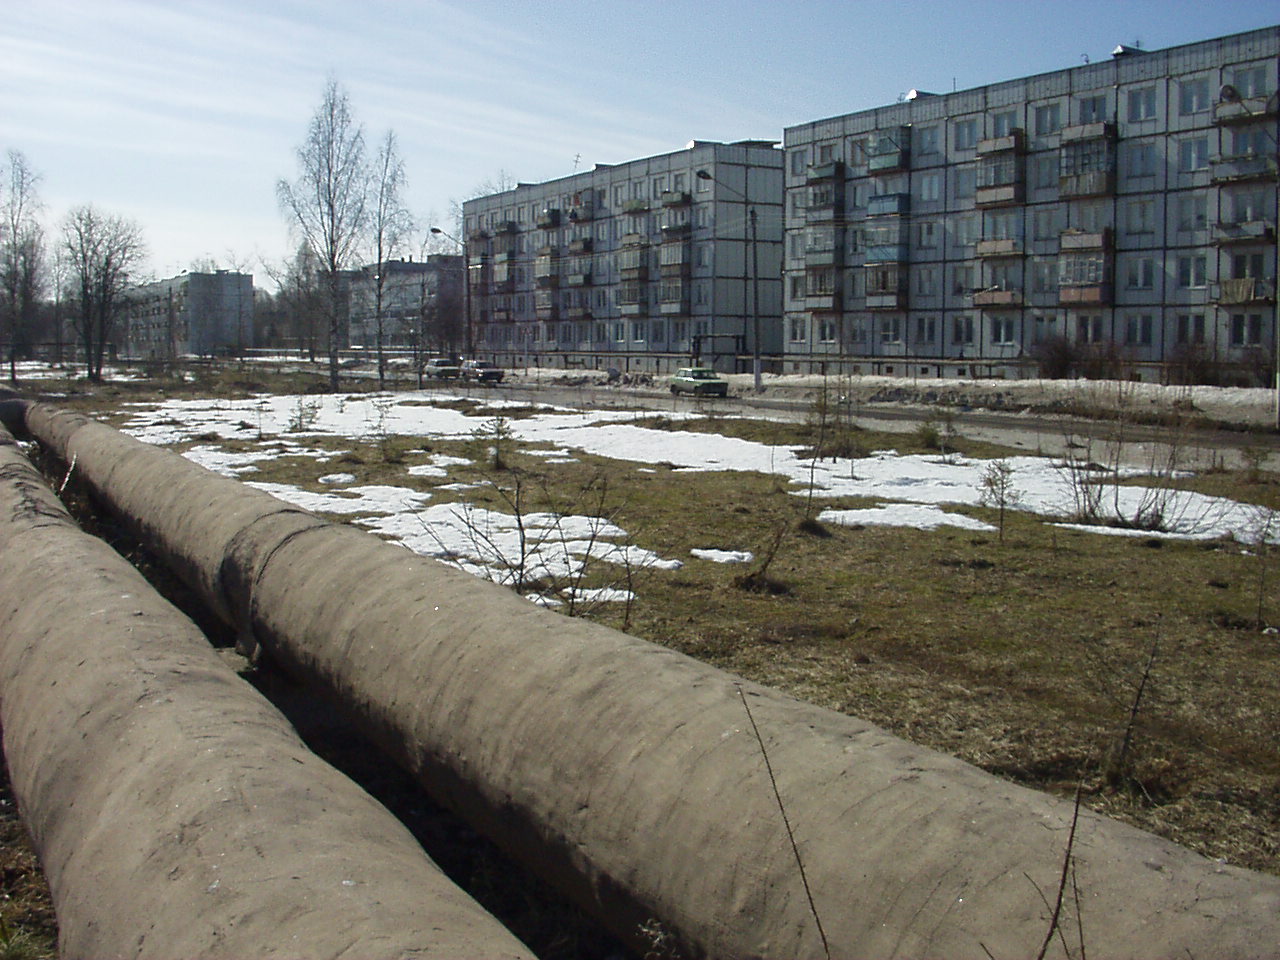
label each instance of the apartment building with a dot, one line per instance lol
(421, 303)
(637, 266)
(196, 314)
(1118, 214)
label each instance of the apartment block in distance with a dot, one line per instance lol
(421, 303)
(638, 266)
(192, 314)
(1117, 217)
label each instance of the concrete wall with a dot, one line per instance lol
(630, 775)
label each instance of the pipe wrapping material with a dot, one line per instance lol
(630, 774)
(175, 812)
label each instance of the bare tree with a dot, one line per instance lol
(102, 252)
(21, 256)
(328, 202)
(390, 224)
(300, 299)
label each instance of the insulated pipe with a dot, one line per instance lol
(175, 811)
(633, 776)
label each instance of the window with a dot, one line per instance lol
(1004, 123)
(1042, 276)
(1190, 328)
(798, 161)
(930, 184)
(892, 332)
(1048, 119)
(1137, 330)
(1085, 157)
(928, 140)
(795, 245)
(1248, 205)
(1193, 96)
(1003, 225)
(962, 279)
(637, 331)
(1142, 104)
(1250, 81)
(1193, 154)
(1248, 265)
(1142, 273)
(1046, 171)
(966, 231)
(966, 134)
(1089, 329)
(797, 287)
(1193, 213)
(795, 329)
(1082, 269)
(966, 181)
(1246, 329)
(1004, 276)
(1250, 141)
(1191, 271)
(1140, 216)
(678, 183)
(962, 330)
(1003, 330)
(1045, 224)
(1093, 109)
(1142, 160)
(826, 152)
(926, 281)
(1042, 327)
(927, 234)
(926, 329)
(704, 184)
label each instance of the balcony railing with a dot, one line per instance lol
(994, 299)
(635, 206)
(887, 253)
(830, 170)
(1094, 183)
(1084, 240)
(999, 247)
(1013, 140)
(1244, 290)
(1245, 231)
(886, 299)
(1085, 294)
(1243, 110)
(675, 198)
(1250, 166)
(1098, 130)
(887, 204)
(548, 219)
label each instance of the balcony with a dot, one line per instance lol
(477, 235)
(886, 299)
(675, 198)
(504, 256)
(1243, 291)
(829, 300)
(1243, 110)
(997, 299)
(889, 204)
(1246, 231)
(676, 231)
(831, 170)
(1084, 240)
(506, 285)
(890, 161)
(823, 256)
(887, 253)
(1251, 166)
(548, 219)
(635, 206)
(999, 247)
(579, 279)
(506, 226)
(823, 213)
(581, 213)
(1013, 141)
(1095, 183)
(577, 312)
(581, 245)
(634, 240)
(639, 271)
(1086, 294)
(1098, 130)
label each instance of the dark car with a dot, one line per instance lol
(481, 371)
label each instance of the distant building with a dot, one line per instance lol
(1117, 217)
(200, 314)
(421, 302)
(638, 266)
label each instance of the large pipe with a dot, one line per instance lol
(632, 775)
(175, 811)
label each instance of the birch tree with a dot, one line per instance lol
(102, 254)
(21, 255)
(327, 203)
(390, 225)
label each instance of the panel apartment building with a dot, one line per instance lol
(421, 303)
(200, 314)
(1120, 213)
(638, 266)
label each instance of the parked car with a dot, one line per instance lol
(443, 368)
(700, 381)
(481, 371)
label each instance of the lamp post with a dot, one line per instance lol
(466, 289)
(1229, 94)
(755, 279)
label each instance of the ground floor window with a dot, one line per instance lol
(1246, 329)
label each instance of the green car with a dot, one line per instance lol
(700, 381)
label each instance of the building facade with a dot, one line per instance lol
(1117, 216)
(421, 304)
(192, 314)
(639, 266)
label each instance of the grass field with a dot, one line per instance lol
(1145, 669)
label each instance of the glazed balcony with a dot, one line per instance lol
(1094, 183)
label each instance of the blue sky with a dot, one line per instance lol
(183, 115)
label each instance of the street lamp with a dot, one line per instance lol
(466, 288)
(755, 279)
(1229, 94)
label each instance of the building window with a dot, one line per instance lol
(1250, 81)
(1246, 329)
(1042, 328)
(1142, 160)
(1089, 329)
(927, 234)
(962, 279)
(966, 134)
(1004, 123)
(930, 186)
(1142, 273)
(1190, 328)
(1193, 154)
(1048, 119)
(962, 330)
(1003, 330)
(1042, 276)
(1193, 96)
(826, 152)
(1140, 216)
(797, 287)
(928, 140)
(967, 229)
(1191, 272)
(926, 281)
(1193, 213)
(966, 182)
(1142, 104)
(795, 330)
(1251, 141)
(892, 331)
(926, 329)
(826, 330)
(1249, 205)
(1137, 331)
(1093, 109)
(798, 160)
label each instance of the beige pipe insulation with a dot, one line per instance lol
(630, 774)
(175, 811)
